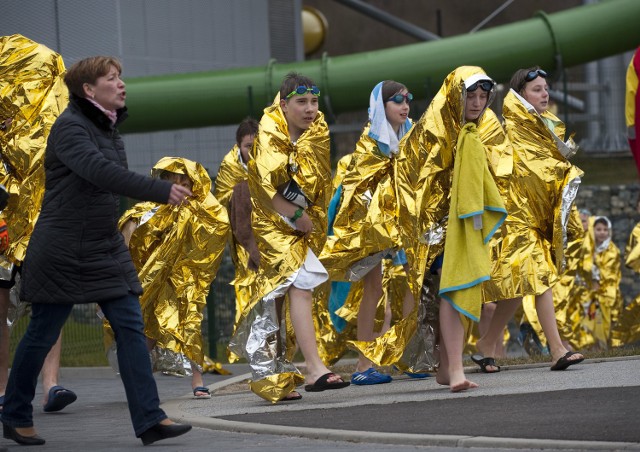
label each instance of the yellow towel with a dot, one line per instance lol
(476, 211)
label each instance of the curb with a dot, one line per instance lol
(172, 407)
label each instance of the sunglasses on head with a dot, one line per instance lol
(485, 85)
(399, 98)
(302, 90)
(532, 75)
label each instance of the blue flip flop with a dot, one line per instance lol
(59, 398)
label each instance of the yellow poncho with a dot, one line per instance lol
(233, 171)
(33, 94)
(424, 172)
(275, 162)
(539, 199)
(177, 252)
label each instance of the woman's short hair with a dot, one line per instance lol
(88, 70)
(291, 81)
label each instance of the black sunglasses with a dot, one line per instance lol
(532, 75)
(485, 85)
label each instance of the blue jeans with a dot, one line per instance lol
(133, 359)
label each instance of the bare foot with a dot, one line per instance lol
(333, 378)
(293, 395)
(463, 386)
(442, 377)
(575, 356)
(456, 384)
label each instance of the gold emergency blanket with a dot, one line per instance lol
(277, 161)
(424, 169)
(364, 232)
(572, 290)
(32, 95)
(177, 252)
(627, 330)
(365, 223)
(232, 171)
(632, 251)
(539, 199)
(476, 212)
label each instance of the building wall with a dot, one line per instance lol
(158, 37)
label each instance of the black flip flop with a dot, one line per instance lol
(322, 384)
(484, 363)
(565, 362)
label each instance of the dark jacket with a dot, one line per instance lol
(76, 253)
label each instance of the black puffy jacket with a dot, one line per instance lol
(76, 253)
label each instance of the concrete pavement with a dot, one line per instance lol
(591, 406)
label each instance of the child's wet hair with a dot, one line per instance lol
(291, 81)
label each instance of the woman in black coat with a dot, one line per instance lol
(77, 254)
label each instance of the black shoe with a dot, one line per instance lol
(160, 431)
(10, 433)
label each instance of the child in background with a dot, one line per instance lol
(177, 251)
(232, 191)
(605, 302)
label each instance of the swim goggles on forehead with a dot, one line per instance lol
(302, 90)
(399, 98)
(532, 75)
(485, 85)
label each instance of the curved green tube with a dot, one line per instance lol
(572, 37)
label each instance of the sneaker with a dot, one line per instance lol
(370, 377)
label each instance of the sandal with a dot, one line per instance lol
(484, 363)
(565, 362)
(59, 398)
(207, 394)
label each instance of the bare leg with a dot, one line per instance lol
(504, 311)
(547, 316)
(372, 291)
(488, 309)
(4, 340)
(301, 317)
(51, 369)
(451, 371)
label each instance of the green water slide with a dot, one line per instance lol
(553, 41)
